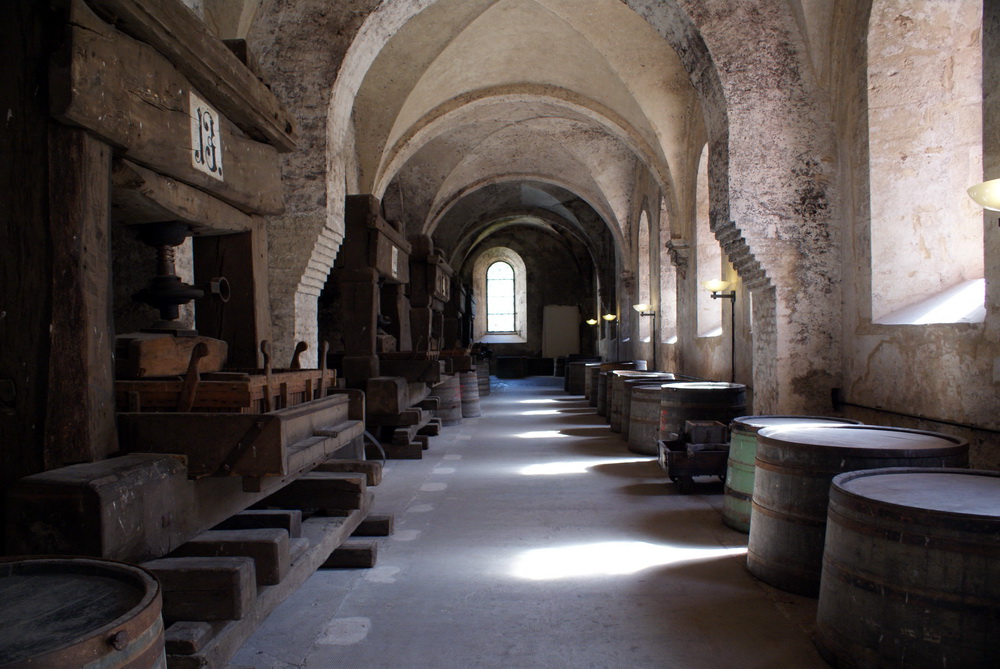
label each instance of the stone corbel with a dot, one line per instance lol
(680, 252)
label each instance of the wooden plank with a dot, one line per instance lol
(353, 554)
(321, 490)
(370, 468)
(129, 95)
(142, 354)
(268, 547)
(139, 195)
(177, 32)
(81, 366)
(324, 535)
(205, 588)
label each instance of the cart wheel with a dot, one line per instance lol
(686, 484)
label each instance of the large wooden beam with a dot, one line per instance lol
(80, 423)
(175, 31)
(129, 95)
(140, 196)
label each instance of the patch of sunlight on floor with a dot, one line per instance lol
(541, 412)
(543, 401)
(574, 467)
(610, 558)
(541, 434)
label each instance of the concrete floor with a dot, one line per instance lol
(531, 537)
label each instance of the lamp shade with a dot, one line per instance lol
(987, 194)
(609, 317)
(715, 285)
(591, 321)
(642, 306)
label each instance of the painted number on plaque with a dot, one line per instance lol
(206, 141)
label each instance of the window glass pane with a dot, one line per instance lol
(500, 298)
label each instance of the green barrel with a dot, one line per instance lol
(743, 452)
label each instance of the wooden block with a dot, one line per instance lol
(289, 520)
(186, 637)
(353, 554)
(386, 395)
(432, 429)
(145, 354)
(362, 502)
(411, 451)
(375, 525)
(423, 440)
(268, 547)
(425, 371)
(370, 468)
(205, 588)
(321, 490)
(430, 403)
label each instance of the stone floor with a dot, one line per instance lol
(531, 537)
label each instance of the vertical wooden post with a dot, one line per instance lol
(80, 423)
(245, 320)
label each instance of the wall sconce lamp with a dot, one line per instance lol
(644, 309)
(987, 194)
(716, 287)
(591, 321)
(609, 317)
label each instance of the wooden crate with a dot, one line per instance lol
(228, 392)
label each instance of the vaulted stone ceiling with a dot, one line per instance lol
(577, 97)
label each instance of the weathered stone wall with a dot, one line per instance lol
(944, 371)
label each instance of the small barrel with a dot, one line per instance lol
(911, 569)
(794, 468)
(449, 400)
(602, 393)
(75, 612)
(742, 454)
(644, 419)
(616, 392)
(483, 377)
(469, 391)
(699, 400)
(576, 378)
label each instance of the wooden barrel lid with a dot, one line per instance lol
(704, 386)
(757, 423)
(50, 604)
(962, 492)
(863, 440)
(646, 391)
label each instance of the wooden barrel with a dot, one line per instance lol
(591, 370)
(602, 393)
(616, 392)
(468, 385)
(603, 381)
(911, 570)
(449, 400)
(576, 377)
(699, 400)
(644, 419)
(483, 377)
(742, 454)
(794, 467)
(76, 612)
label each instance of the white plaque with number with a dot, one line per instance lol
(206, 138)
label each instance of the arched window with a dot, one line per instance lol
(643, 293)
(499, 282)
(500, 298)
(925, 149)
(708, 256)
